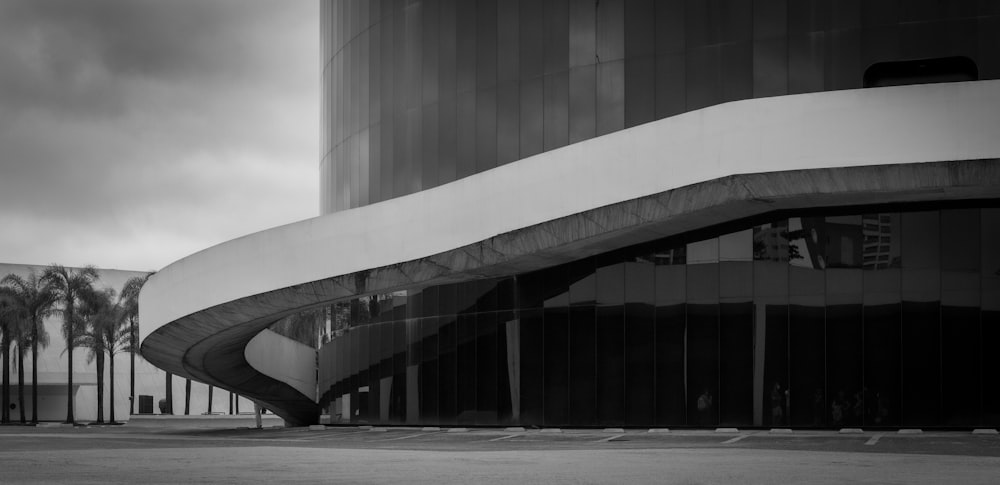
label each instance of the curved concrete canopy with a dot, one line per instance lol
(663, 178)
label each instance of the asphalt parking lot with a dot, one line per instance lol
(227, 451)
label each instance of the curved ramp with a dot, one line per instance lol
(727, 162)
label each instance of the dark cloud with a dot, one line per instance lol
(195, 120)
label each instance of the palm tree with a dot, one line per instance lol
(6, 318)
(99, 315)
(35, 299)
(67, 284)
(129, 301)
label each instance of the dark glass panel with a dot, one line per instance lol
(556, 35)
(486, 43)
(844, 350)
(447, 370)
(989, 37)
(466, 296)
(505, 289)
(447, 299)
(699, 28)
(736, 365)
(429, 145)
(465, 385)
(486, 130)
(582, 282)
(528, 405)
(882, 352)
(921, 240)
(429, 51)
(373, 399)
(448, 90)
(806, 60)
(582, 33)
(508, 35)
(556, 349)
(703, 363)
(414, 305)
(508, 107)
(465, 47)
(556, 110)
(610, 96)
(670, 363)
(807, 360)
(671, 82)
(806, 245)
(532, 62)
(702, 282)
(508, 386)
(414, 356)
(770, 67)
(701, 252)
(704, 88)
(610, 30)
(771, 389)
(640, 28)
(671, 282)
(670, 26)
(429, 370)
(487, 290)
(844, 57)
(960, 240)
(582, 103)
(770, 241)
(531, 113)
(639, 341)
(466, 119)
(640, 87)
(610, 358)
(808, 15)
(736, 73)
(770, 18)
(398, 403)
(486, 368)
(844, 243)
(990, 318)
(582, 362)
(960, 362)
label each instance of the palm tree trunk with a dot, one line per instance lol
(100, 387)
(187, 397)
(5, 412)
(20, 381)
(69, 353)
(34, 371)
(131, 372)
(111, 403)
(170, 393)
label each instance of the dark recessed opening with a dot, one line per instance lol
(921, 71)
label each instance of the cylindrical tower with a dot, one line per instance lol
(418, 93)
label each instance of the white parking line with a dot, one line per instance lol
(873, 440)
(504, 437)
(733, 440)
(609, 438)
(406, 437)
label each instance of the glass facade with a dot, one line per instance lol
(418, 93)
(880, 317)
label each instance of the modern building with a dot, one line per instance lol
(626, 213)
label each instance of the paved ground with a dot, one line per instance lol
(225, 451)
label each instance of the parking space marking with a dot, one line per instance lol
(609, 438)
(873, 439)
(407, 436)
(733, 440)
(504, 437)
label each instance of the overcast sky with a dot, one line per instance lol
(136, 132)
